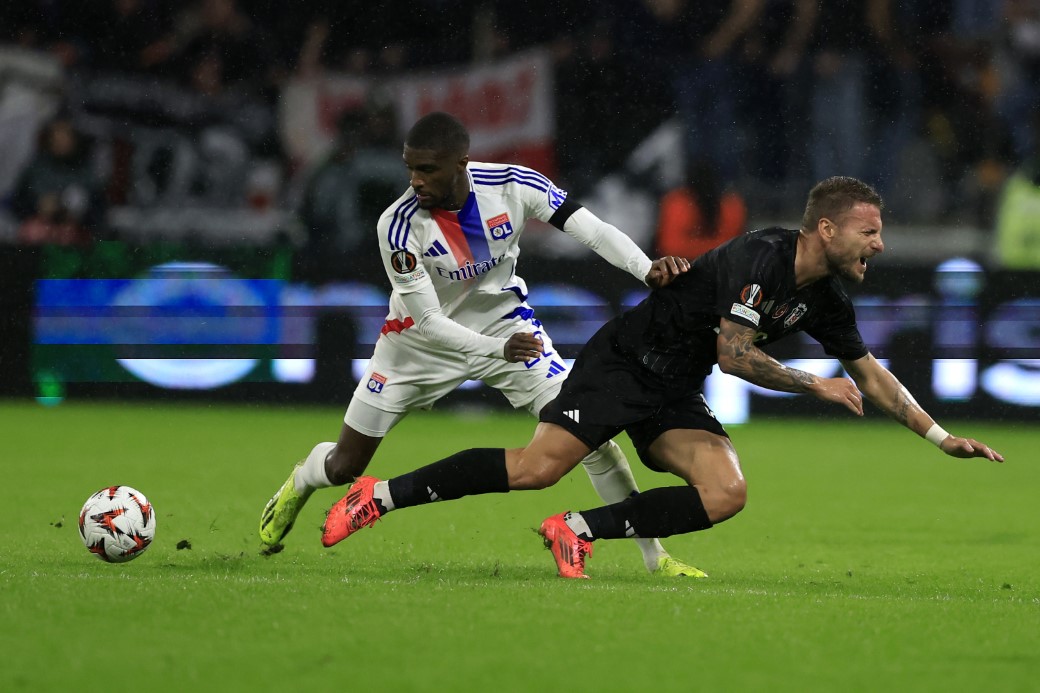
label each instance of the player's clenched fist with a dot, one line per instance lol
(522, 346)
(664, 270)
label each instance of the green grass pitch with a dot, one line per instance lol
(865, 561)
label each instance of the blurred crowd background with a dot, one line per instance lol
(152, 120)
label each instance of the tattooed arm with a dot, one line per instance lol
(739, 356)
(884, 390)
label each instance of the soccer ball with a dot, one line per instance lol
(117, 523)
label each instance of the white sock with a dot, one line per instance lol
(612, 478)
(578, 525)
(381, 493)
(311, 474)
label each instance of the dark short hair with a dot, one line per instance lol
(441, 132)
(835, 196)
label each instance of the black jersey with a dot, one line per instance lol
(749, 280)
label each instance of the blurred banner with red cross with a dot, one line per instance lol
(507, 106)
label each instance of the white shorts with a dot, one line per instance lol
(406, 373)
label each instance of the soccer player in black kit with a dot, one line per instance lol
(644, 370)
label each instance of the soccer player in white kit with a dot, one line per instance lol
(458, 311)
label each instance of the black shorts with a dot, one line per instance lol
(608, 392)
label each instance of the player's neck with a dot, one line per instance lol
(458, 197)
(810, 261)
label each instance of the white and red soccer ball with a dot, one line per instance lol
(117, 524)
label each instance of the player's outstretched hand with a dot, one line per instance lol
(522, 346)
(969, 447)
(665, 269)
(840, 391)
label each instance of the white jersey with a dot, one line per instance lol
(468, 257)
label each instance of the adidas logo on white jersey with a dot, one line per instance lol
(555, 368)
(572, 414)
(435, 250)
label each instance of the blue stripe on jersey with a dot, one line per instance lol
(516, 290)
(511, 179)
(402, 223)
(522, 172)
(473, 229)
(524, 313)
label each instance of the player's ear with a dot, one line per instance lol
(826, 227)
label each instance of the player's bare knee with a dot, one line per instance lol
(732, 498)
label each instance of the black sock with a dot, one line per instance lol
(659, 512)
(467, 473)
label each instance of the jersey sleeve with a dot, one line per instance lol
(608, 242)
(834, 327)
(401, 252)
(546, 202)
(748, 273)
(542, 200)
